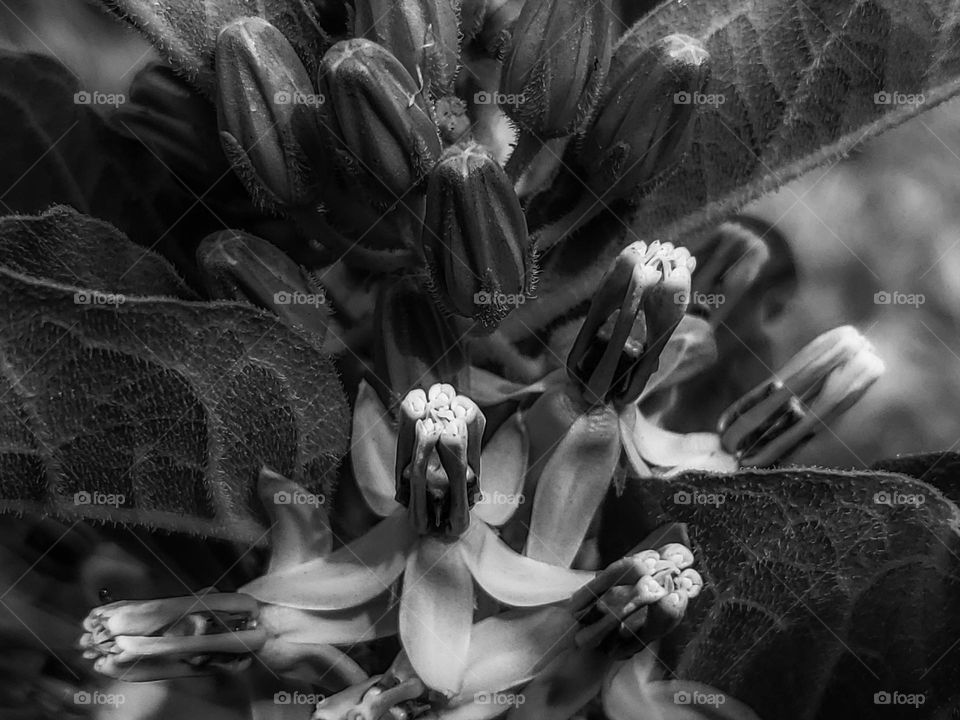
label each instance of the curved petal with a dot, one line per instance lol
(629, 443)
(691, 349)
(679, 451)
(509, 649)
(281, 654)
(436, 612)
(568, 683)
(372, 620)
(515, 579)
(300, 531)
(350, 576)
(502, 467)
(486, 388)
(629, 694)
(373, 451)
(572, 486)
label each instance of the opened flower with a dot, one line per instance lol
(435, 533)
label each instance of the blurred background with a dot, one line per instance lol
(884, 220)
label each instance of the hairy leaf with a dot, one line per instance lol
(119, 404)
(185, 31)
(798, 84)
(823, 588)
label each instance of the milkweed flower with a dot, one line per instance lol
(431, 535)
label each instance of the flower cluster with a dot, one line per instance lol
(481, 460)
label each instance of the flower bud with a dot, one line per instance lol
(816, 386)
(377, 133)
(424, 35)
(644, 124)
(235, 265)
(265, 112)
(475, 237)
(172, 637)
(414, 343)
(438, 459)
(641, 300)
(556, 64)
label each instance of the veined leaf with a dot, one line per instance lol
(822, 588)
(121, 402)
(796, 84)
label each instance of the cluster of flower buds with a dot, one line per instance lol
(815, 387)
(173, 637)
(438, 459)
(642, 129)
(640, 302)
(475, 238)
(266, 131)
(636, 600)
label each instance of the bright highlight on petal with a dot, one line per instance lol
(503, 465)
(374, 451)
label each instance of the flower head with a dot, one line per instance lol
(173, 637)
(817, 385)
(641, 300)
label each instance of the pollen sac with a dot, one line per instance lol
(415, 343)
(815, 387)
(644, 124)
(424, 35)
(235, 265)
(265, 113)
(641, 300)
(475, 238)
(378, 137)
(556, 65)
(438, 459)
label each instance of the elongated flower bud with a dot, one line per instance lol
(438, 459)
(645, 121)
(556, 65)
(414, 342)
(172, 637)
(377, 132)
(266, 112)
(641, 300)
(475, 237)
(820, 383)
(424, 35)
(235, 265)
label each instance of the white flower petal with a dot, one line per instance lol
(502, 468)
(373, 451)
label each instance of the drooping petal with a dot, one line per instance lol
(503, 464)
(691, 349)
(509, 649)
(350, 576)
(374, 619)
(676, 451)
(300, 531)
(572, 486)
(436, 613)
(629, 446)
(629, 694)
(487, 388)
(515, 579)
(373, 451)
